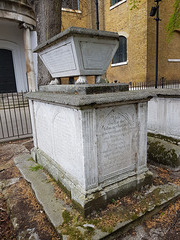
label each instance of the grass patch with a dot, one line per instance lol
(36, 168)
(66, 217)
(158, 153)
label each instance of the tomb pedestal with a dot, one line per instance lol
(94, 145)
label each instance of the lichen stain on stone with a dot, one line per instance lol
(165, 138)
(72, 225)
(129, 208)
(159, 154)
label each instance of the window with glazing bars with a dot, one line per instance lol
(121, 53)
(71, 4)
(114, 2)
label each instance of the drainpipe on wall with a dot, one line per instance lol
(29, 56)
(97, 14)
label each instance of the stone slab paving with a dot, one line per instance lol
(43, 190)
(91, 228)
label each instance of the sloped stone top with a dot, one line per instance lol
(93, 100)
(174, 93)
(87, 89)
(97, 100)
(76, 31)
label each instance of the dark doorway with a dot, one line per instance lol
(7, 76)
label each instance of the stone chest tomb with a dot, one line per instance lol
(78, 52)
(91, 138)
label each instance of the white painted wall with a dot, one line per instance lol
(164, 116)
(35, 55)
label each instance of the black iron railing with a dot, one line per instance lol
(162, 84)
(15, 121)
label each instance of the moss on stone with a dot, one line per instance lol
(130, 209)
(134, 217)
(158, 153)
(165, 138)
(64, 188)
(66, 217)
(73, 233)
(108, 229)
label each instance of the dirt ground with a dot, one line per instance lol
(22, 217)
(27, 219)
(165, 225)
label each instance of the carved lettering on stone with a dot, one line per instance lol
(43, 128)
(59, 59)
(66, 142)
(117, 142)
(95, 55)
(63, 136)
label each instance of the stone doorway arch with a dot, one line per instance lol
(7, 76)
(14, 50)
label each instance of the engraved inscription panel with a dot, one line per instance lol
(63, 137)
(43, 127)
(172, 107)
(59, 59)
(67, 143)
(95, 55)
(153, 114)
(117, 141)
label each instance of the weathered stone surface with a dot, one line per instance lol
(164, 113)
(91, 151)
(166, 92)
(95, 197)
(163, 152)
(17, 10)
(85, 89)
(43, 190)
(153, 199)
(78, 52)
(91, 100)
(74, 31)
(94, 144)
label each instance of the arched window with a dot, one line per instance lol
(121, 53)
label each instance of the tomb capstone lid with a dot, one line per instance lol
(86, 88)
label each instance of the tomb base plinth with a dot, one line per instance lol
(94, 145)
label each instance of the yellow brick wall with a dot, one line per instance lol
(167, 50)
(140, 30)
(134, 24)
(85, 17)
(82, 18)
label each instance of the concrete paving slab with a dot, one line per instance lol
(43, 190)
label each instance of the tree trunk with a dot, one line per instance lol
(48, 18)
